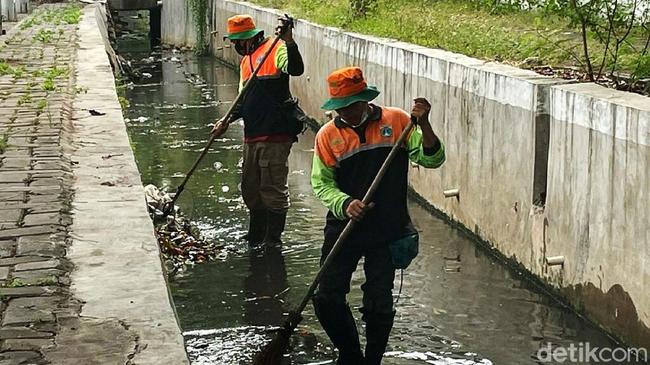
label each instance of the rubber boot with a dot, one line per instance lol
(256, 226)
(274, 227)
(337, 321)
(378, 327)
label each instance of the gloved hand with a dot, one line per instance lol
(285, 28)
(421, 109)
(220, 127)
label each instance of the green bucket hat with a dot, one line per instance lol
(347, 86)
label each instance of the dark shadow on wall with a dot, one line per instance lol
(613, 310)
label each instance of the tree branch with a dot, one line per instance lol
(610, 21)
(585, 42)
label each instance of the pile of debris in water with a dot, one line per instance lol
(180, 243)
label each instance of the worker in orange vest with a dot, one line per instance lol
(348, 154)
(268, 135)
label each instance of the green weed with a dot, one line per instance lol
(4, 143)
(48, 85)
(44, 36)
(5, 69)
(15, 283)
(40, 106)
(25, 99)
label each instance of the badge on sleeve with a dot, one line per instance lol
(386, 131)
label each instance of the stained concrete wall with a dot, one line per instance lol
(598, 198)
(495, 121)
(177, 23)
(8, 8)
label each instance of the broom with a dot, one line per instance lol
(273, 353)
(227, 116)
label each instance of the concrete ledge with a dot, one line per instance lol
(118, 274)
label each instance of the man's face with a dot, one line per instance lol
(243, 46)
(353, 113)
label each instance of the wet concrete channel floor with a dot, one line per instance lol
(458, 305)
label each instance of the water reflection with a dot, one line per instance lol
(265, 287)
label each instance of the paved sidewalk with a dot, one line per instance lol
(67, 298)
(36, 91)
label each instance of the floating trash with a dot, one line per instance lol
(141, 119)
(180, 243)
(217, 165)
(146, 75)
(225, 188)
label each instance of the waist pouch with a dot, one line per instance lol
(294, 116)
(404, 250)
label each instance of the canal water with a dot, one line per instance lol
(458, 304)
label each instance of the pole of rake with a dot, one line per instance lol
(226, 118)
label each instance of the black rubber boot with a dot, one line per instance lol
(337, 321)
(256, 226)
(378, 327)
(274, 227)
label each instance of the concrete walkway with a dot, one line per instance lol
(80, 273)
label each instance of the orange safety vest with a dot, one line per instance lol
(269, 69)
(334, 145)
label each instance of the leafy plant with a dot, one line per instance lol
(55, 72)
(44, 36)
(72, 14)
(30, 22)
(19, 72)
(5, 69)
(40, 106)
(48, 85)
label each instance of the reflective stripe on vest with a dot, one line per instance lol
(268, 69)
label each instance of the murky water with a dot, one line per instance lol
(458, 305)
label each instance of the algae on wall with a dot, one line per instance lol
(178, 24)
(199, 10)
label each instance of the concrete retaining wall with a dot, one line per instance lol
(495, 121)
(597, 210)
(8, 10)
(177, 23)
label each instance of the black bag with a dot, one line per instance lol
(294, 116)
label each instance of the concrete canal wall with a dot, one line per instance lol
(177, 23)
(543, 168)
(597, 205)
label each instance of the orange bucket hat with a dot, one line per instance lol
(241, 27)
(347, 86)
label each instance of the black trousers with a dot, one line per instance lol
(377, 266)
